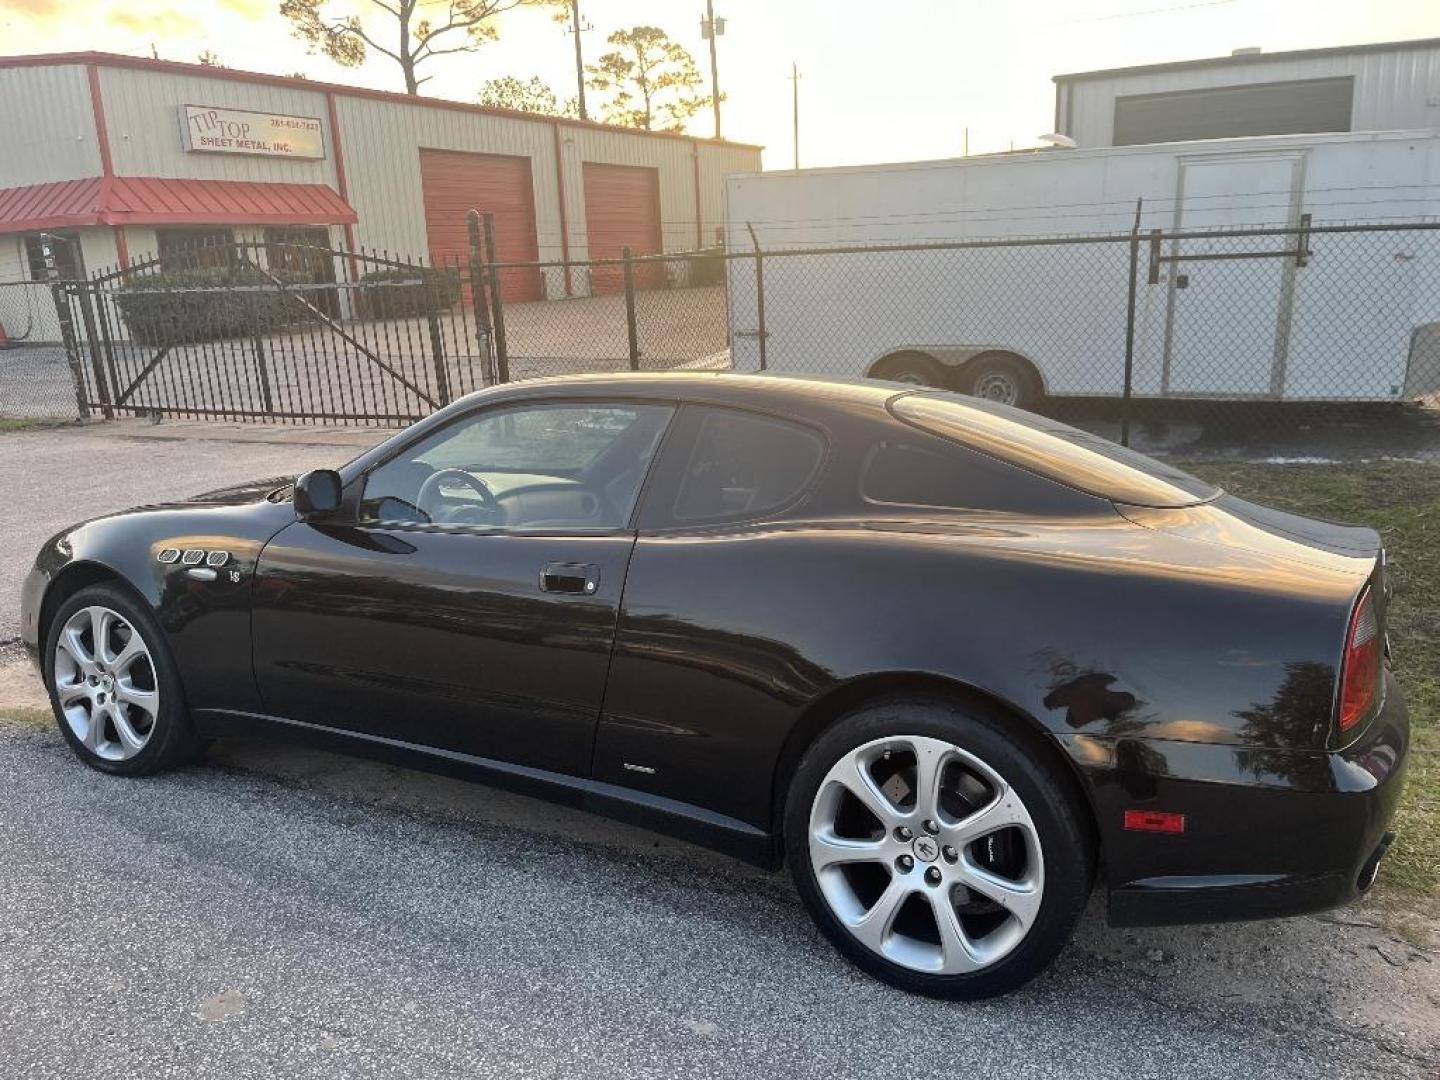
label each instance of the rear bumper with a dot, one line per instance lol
(1268, 833)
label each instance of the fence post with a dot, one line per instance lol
(762, 333)
(72, 348)
(1130, 328)
(262, 367)
(437, 343)
(630, 311)
(97, 365)
(477, 293)
(502, 355)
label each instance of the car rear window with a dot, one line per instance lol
(1053, 450)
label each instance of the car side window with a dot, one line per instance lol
(743, 465)
(906, 475)
(948, 477)
(564, 466)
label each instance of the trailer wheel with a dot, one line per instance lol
(918, 368)
(1002, 377)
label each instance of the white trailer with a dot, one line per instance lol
(1359, 319)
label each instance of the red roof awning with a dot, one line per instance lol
(153, 200)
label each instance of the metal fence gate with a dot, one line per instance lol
(274, 331)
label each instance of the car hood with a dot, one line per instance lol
(240, 494)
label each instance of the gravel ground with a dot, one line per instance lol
(35, 381)
(288, 913)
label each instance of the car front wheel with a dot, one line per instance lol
(934, 850)
(113, 685)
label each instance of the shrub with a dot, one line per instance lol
(178, 307)
(404, 292)
(707, 266)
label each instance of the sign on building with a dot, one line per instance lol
(206, 129)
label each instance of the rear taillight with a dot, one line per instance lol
(1360, 675)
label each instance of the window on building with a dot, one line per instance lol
(60, 250)
(1224, 112)
(194, 249)
(302, 255)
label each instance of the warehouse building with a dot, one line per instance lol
(110, 158)
(1384, 87)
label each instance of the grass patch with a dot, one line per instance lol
(1401, 500)
(30, 423)
(28, 715)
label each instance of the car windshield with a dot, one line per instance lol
(1052, 449)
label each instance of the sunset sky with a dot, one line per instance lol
(880, 81)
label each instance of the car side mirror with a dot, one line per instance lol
(317, 493)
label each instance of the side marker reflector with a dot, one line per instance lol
(1158, 821)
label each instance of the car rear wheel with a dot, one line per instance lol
(113, 686)
(934, 850)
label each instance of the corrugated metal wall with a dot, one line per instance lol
(382, 142)
(142, 110)
(383, 139)
(47, 118)
(1392, 89)
(47, 128)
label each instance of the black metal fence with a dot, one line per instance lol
(1307, 339)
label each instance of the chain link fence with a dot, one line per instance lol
(35, 375)
(1296, 340)
(1283, 341)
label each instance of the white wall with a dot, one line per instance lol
(47, 128)
(1393, 89)
(142, 111)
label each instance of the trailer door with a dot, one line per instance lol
(1229, 317)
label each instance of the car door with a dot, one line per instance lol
(705, 664)
(466, 597)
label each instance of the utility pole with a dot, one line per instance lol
(577, 28)
(795, 109)
(711, 28)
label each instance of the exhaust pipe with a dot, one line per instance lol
(1371, 869)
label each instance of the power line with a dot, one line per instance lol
(1151, 11)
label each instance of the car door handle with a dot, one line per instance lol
(569, 577)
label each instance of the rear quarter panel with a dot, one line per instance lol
(1092, 626)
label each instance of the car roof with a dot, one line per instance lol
(797, 392)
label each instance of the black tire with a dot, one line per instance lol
(171, 738)
(1060, 825)
(1002, 377)
(916, 368)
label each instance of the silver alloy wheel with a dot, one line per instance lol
(106, 683)
(913, 378)
(997, 386)
(919, 882)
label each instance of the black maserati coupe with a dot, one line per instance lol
(950, 661)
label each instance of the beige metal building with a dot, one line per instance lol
(105, 159)
(1393, 86)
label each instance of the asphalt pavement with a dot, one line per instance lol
(287, 913)
(278, 912)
